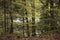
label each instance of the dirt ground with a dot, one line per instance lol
(55, 36)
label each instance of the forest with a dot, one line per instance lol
(29, 18)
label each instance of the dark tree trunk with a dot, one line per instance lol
(27, 19)
(23, 26)
(11, 28)
(33, 27)
(59, 3)
(5, 11)
(11, 18)
(33, 20)
(27, 23)
(23, 22)
(52, 12)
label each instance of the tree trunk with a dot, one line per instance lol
(33, 20)
(59, 3)
(11, 18)
(27, 19)
(23, 26)
(52, 12)
(5, 11)
(23, 21)
(27, 24)
(11, 28)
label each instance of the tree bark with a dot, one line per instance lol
(11, 18)
(33, 20)
(27, 24)
(5, 11)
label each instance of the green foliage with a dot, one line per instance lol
(24, 16)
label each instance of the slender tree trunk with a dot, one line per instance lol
(27, 24)
(33, 20)
(5, 11)
(26, 19)
(59, 3)
(23, 26)
(28, 34)
(11, 28)
(11, 18)
(52, 12)
(23, 21)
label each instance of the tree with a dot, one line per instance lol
(33, 19)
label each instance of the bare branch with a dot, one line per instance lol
(41, 2)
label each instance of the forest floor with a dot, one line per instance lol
(54, 36)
